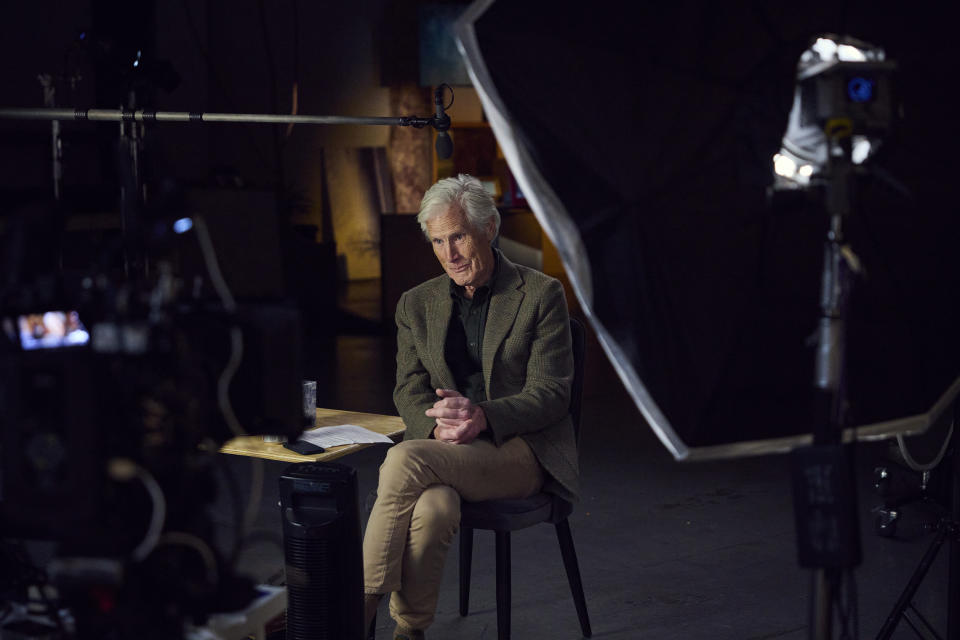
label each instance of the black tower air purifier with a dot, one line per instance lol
(321, 541)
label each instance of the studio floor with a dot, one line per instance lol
(667, 550)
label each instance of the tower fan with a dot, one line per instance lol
(321, 540)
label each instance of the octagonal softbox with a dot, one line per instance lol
(642, 135)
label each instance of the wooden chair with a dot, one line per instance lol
(504, 516)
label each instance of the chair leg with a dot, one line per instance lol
(503, 585)
(573, 575)
(466, 560)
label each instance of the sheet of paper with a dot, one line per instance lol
(343, 434)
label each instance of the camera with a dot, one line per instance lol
(117, 393)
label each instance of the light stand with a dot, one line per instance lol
(844, 89)
(133, 195)
(828, 537)
(848, 99)
(49, 100)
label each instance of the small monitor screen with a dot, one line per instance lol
(51, 330)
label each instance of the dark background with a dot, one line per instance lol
(708, 282)
(695, 551)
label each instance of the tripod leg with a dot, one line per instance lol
(921, 626)
(953, 579)
(904, 601)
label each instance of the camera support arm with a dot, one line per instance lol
(131, 135)
(146, 115)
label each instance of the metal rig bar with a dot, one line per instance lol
(143, 115)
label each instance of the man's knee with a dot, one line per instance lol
(407, 457)
(438, 509)
(403, 454)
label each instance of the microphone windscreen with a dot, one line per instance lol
(444, 145)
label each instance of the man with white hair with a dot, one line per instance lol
(484, 368)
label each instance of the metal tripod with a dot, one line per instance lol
(823, 489)
(947, 530)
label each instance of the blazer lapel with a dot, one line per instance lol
(439, 309)
(504, 305)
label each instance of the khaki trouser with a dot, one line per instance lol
(417, 513)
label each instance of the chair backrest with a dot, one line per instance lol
(579, 345)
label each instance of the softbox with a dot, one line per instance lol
(642, 135)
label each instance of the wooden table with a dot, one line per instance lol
(255, 447)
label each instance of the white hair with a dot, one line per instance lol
(468, 193)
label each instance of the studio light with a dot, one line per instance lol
(848, 78)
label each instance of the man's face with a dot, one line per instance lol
(464, 252)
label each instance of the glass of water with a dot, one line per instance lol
(310, 403)
(309, 410)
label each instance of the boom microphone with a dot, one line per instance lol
(441, 122)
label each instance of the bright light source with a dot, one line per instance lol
(825, 48)
(784, 166)
(849, 53)
(182, 225)
(805, 150)
(860, 151)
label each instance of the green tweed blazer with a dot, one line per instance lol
(527, 366)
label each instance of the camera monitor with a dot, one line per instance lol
(48, 330)
(644, 139)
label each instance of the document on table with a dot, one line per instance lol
(341, 434)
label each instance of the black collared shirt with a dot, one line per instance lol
(464, 345)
